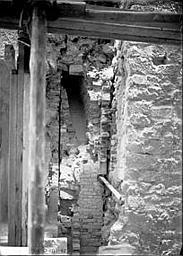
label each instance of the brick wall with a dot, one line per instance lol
(83, 64)
(74, 56)
(90, 209)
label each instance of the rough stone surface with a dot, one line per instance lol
(146, 146)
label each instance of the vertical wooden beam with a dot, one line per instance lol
(12, 159)
(24, 68)
(19, 150)
(25, 176)
(18, 185)
(16, 153)
(5, 66)
(37, 132)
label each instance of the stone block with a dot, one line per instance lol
(76, 70)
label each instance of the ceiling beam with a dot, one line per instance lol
(80, 18)
(114, 31)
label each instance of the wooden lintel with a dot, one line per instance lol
(139, 33)
(115, 31)
(73, 17)
(100, 13)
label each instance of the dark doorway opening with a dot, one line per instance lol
(74, 85)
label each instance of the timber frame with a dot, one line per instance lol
(80, 18)
(27, 105)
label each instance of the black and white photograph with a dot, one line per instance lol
(91, 127)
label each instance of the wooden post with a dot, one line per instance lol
(18, 185)
(37, 132)
(25, 77)
(25, 176)
(12, 160)
(16, 156)
(19, 147)
(5, 68)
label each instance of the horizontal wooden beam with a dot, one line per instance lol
(115, 15)
(102, 1)
(82, 19)
(114, 31)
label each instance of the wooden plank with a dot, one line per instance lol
(119, 24)
(70, 8)
(102, 1)
(120, 16)
(12, 160)
(5, 69)
(19, 148)
(114, 36)
(158, 34)
(89, 1)
(37, 132)
(4, 124)
(25, 175)
(151, 20)
(17, 177)
(124, 25)
(95, 13)
(114, 31)
(111, 188)
(25, 80)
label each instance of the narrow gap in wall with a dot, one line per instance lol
(73, 85)
(107, 195)
(73, 127)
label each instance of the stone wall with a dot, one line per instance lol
(79, 77)
(146, 147)
(74, 58)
